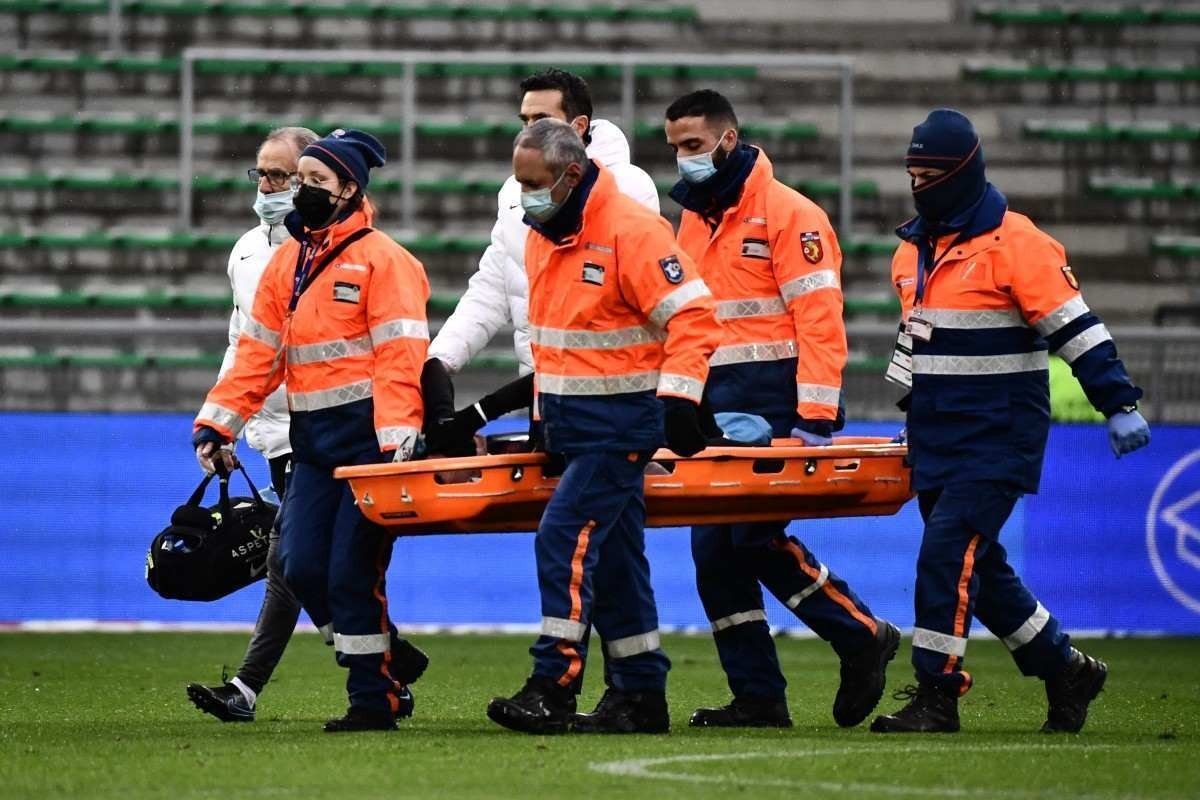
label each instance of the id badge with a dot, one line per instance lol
(899, 370)
(919, 328)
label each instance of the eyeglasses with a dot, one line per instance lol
(275, 177)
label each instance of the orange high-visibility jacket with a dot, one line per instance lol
(774, 266)
(351, 351)
(997, 301)
(617, 314)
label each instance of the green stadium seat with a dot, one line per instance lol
(1078, 13)
(886, 307)
(1176, 246)
(1087, 131)
(1037, 73)
(1141, 188)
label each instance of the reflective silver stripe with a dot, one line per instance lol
(816, 393)
(400, 329)
(981, 365)
(821, 279)
(632, 645)
(808, 591)
(939, 642)
(973, 320)
(1069, 311)
(751, 307)
(1083, 342)
(759, 351)
(397, 435)
(740, 618)
(676, 300)
(593, 340)
(329, 398)
(328, 351)
(597, 384)
(560, 628)
(256, 330)
(681, 385)
(366, 645)
(211, 412)
(1029, 628)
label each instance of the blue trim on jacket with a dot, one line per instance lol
(588, 423)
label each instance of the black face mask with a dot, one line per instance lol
(313, 205)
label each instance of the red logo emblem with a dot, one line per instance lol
(810, 244)
(1072, 281)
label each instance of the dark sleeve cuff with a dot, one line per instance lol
(206, 434)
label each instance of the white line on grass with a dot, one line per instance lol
(642, 768)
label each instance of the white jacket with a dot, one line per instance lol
(499, 292)
(267, 431)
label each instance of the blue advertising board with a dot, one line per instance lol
(1107, 545)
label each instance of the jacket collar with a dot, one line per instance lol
(712, 197)
(569, 218)
(346, 223)
(984, 215)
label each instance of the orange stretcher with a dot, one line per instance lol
(856, 476)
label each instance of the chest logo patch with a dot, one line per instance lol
(599, 248)
(346, 292)
(756, 248)
(593, 273)
(672, 269)
(1072, 281)
(810, 245)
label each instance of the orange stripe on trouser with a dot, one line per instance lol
(386, 661)
(581, 545)
(960, 611)
(828, 588)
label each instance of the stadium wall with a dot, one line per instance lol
(1111, 547)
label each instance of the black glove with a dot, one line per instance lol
(681, 424)
(437, 392)
(454, 437)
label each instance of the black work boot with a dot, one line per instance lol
(226, 702)
(864, 675)
(542, 706)
(362, 719)
(746, 711)
(622, 711)
(1071, 690)
(408, 662)
(928, 711)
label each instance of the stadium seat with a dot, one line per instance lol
(1088, 131)
(1024, 72)
(1175, 246)
(1125, 188)
(1078, 13)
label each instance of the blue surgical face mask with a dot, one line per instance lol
(539, 204)
(698, 169)
(272, 208)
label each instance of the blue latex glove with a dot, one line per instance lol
(811, 439)
(1127, 431)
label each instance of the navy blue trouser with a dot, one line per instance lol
(336, 562)
(963, 571)
(731, 563)
(591, 544)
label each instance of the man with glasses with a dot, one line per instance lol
(267, 432)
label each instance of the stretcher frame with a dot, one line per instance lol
(856, 476)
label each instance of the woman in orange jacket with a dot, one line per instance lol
(340, 316)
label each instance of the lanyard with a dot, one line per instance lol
(303, 265)
(926, 249)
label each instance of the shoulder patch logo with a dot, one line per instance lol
(672, 269)
(1072, 281)
(593, 274)
(810, 245)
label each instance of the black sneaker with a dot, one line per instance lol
(1071, 690)
(408, 661)
(362, 719)
(744, 712)
(864, 675)
(226, 703)
(542, 706)
(928, 711)
(625, 712)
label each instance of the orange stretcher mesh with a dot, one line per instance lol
(856, 476)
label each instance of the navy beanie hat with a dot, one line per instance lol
(350, 154)
(947, 140)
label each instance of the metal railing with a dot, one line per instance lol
(411, 59)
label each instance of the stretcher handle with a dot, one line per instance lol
(843, 447)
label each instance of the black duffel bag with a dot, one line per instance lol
(208, 553)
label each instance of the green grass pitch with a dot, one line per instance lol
(105, 716)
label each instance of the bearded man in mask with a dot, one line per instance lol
(985, 295)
